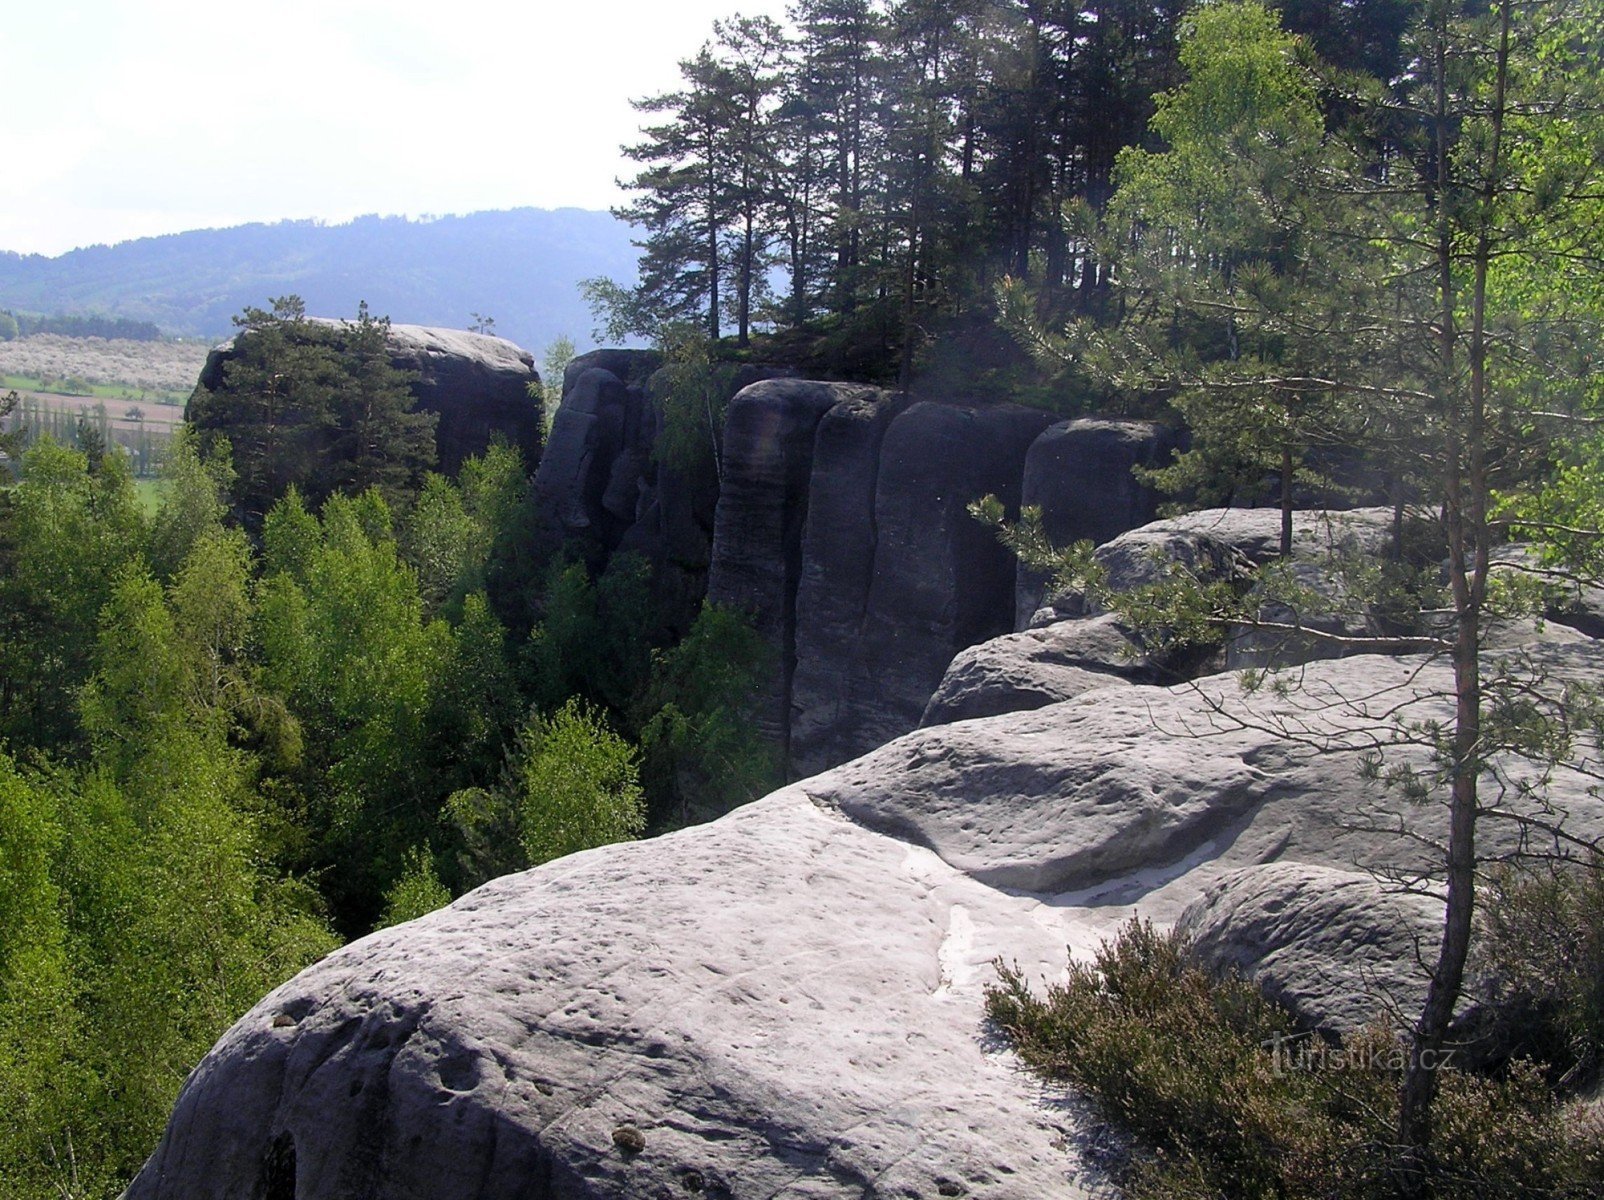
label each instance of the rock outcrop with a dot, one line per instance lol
(605, 489)
(938, 582)
(588, 483)
(837, 521)
(1081, 474)
(1336, 947)
(787, 1002)
(1037, 667)
(767, 483)
(479, 386)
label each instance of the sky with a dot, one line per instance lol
(128, 118)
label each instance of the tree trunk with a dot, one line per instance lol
(1286, 501)
(1465, 510)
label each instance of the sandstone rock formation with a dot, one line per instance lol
(787, 1002)
(1022, 671)
(604, 489)
(479, 386)
(763, 504)
(587, 483)
(938, 582)
(1332, 945)
(837, 521)
(1080, 474)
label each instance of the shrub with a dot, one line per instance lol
(577, 784)
(1224, 1098)
(1544, 965)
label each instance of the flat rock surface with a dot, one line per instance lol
(787, 1002)
(782, 1004)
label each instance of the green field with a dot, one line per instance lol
(96, 391)
(151, 492)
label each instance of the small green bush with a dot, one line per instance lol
(1543, 943)
(1224, 1098)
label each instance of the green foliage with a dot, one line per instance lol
(417, 893)
(553, 369)
(194, 500)
(10, 439)
(693, 392)
(378, 440)
(594, 639)
(346, 642)
(1544, 958)
(314, 406)
(1224, 1098)
(700, 752)
(68, 532)
(577, 784)
(139, 925)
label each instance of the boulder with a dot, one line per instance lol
(1081, 475)
(763, 504)
(940, 580)
(479, 386)
(1337, 947)
(1021, 671)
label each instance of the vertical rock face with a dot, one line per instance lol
(1080, 474)
(941, 580)
(838, 550)
(581, 490)
(764, 496)
(838, 524)
(478, 384)
(937, 581)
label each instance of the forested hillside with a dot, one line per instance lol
(519, 268)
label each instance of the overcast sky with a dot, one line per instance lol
(135, 117)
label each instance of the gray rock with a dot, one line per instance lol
(479, 386)
(1338, 948)
(787, 1002)
(763, 505)
(1022, 671)
(596, 425)
(777, 1004)
(838, 562)
(1087, 794)
(940, 581)
(1570, 601)
(632, 367)
(1333, 624)
(1154, 553)
(1080, 474)
(1256, 532)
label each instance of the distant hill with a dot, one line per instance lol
(520, 267)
